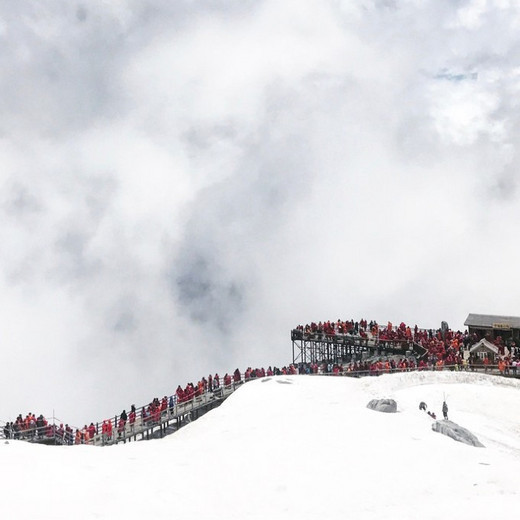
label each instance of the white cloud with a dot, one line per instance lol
(182, 183)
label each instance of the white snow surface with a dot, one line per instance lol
(301, 447)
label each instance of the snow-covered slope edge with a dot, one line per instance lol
(293, 447)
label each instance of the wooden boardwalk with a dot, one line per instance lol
(167, 422)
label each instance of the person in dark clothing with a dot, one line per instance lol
(445, 410)
(122, 423)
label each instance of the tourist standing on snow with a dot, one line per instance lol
(445, 410)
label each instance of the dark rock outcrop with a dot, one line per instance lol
(456, 432)
(383, 405)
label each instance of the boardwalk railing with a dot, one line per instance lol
(145, 426)
(163, 421)
(47, 434)
(492, 370)
(174, 417)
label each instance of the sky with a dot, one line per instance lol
(181, 183)
(293, 447)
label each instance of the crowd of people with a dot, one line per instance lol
(124, 424)
(445, 349)
(443, 346)
(29, 427)
(155, 412)
(40, 429)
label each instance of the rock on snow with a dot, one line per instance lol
(456, 432)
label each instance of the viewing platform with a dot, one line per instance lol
(320, 347)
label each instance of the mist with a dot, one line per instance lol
(181, 184)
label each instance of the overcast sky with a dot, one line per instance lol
(184, 182)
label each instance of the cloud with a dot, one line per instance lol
(184, 182)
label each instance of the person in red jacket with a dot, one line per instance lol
(92, 431)
(104, 431)
(121, 427)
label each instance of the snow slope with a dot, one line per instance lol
(293, 447)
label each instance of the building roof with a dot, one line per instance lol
(484, 346)
(491, 321)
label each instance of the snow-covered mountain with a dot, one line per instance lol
(293, 447)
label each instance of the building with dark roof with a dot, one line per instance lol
(491, 326)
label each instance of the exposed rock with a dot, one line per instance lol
(456, 432)
(383, 405)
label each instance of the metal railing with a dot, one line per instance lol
(494, 370)
(49, 433)
(173, 417)
(367, 342)
(144, 424)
